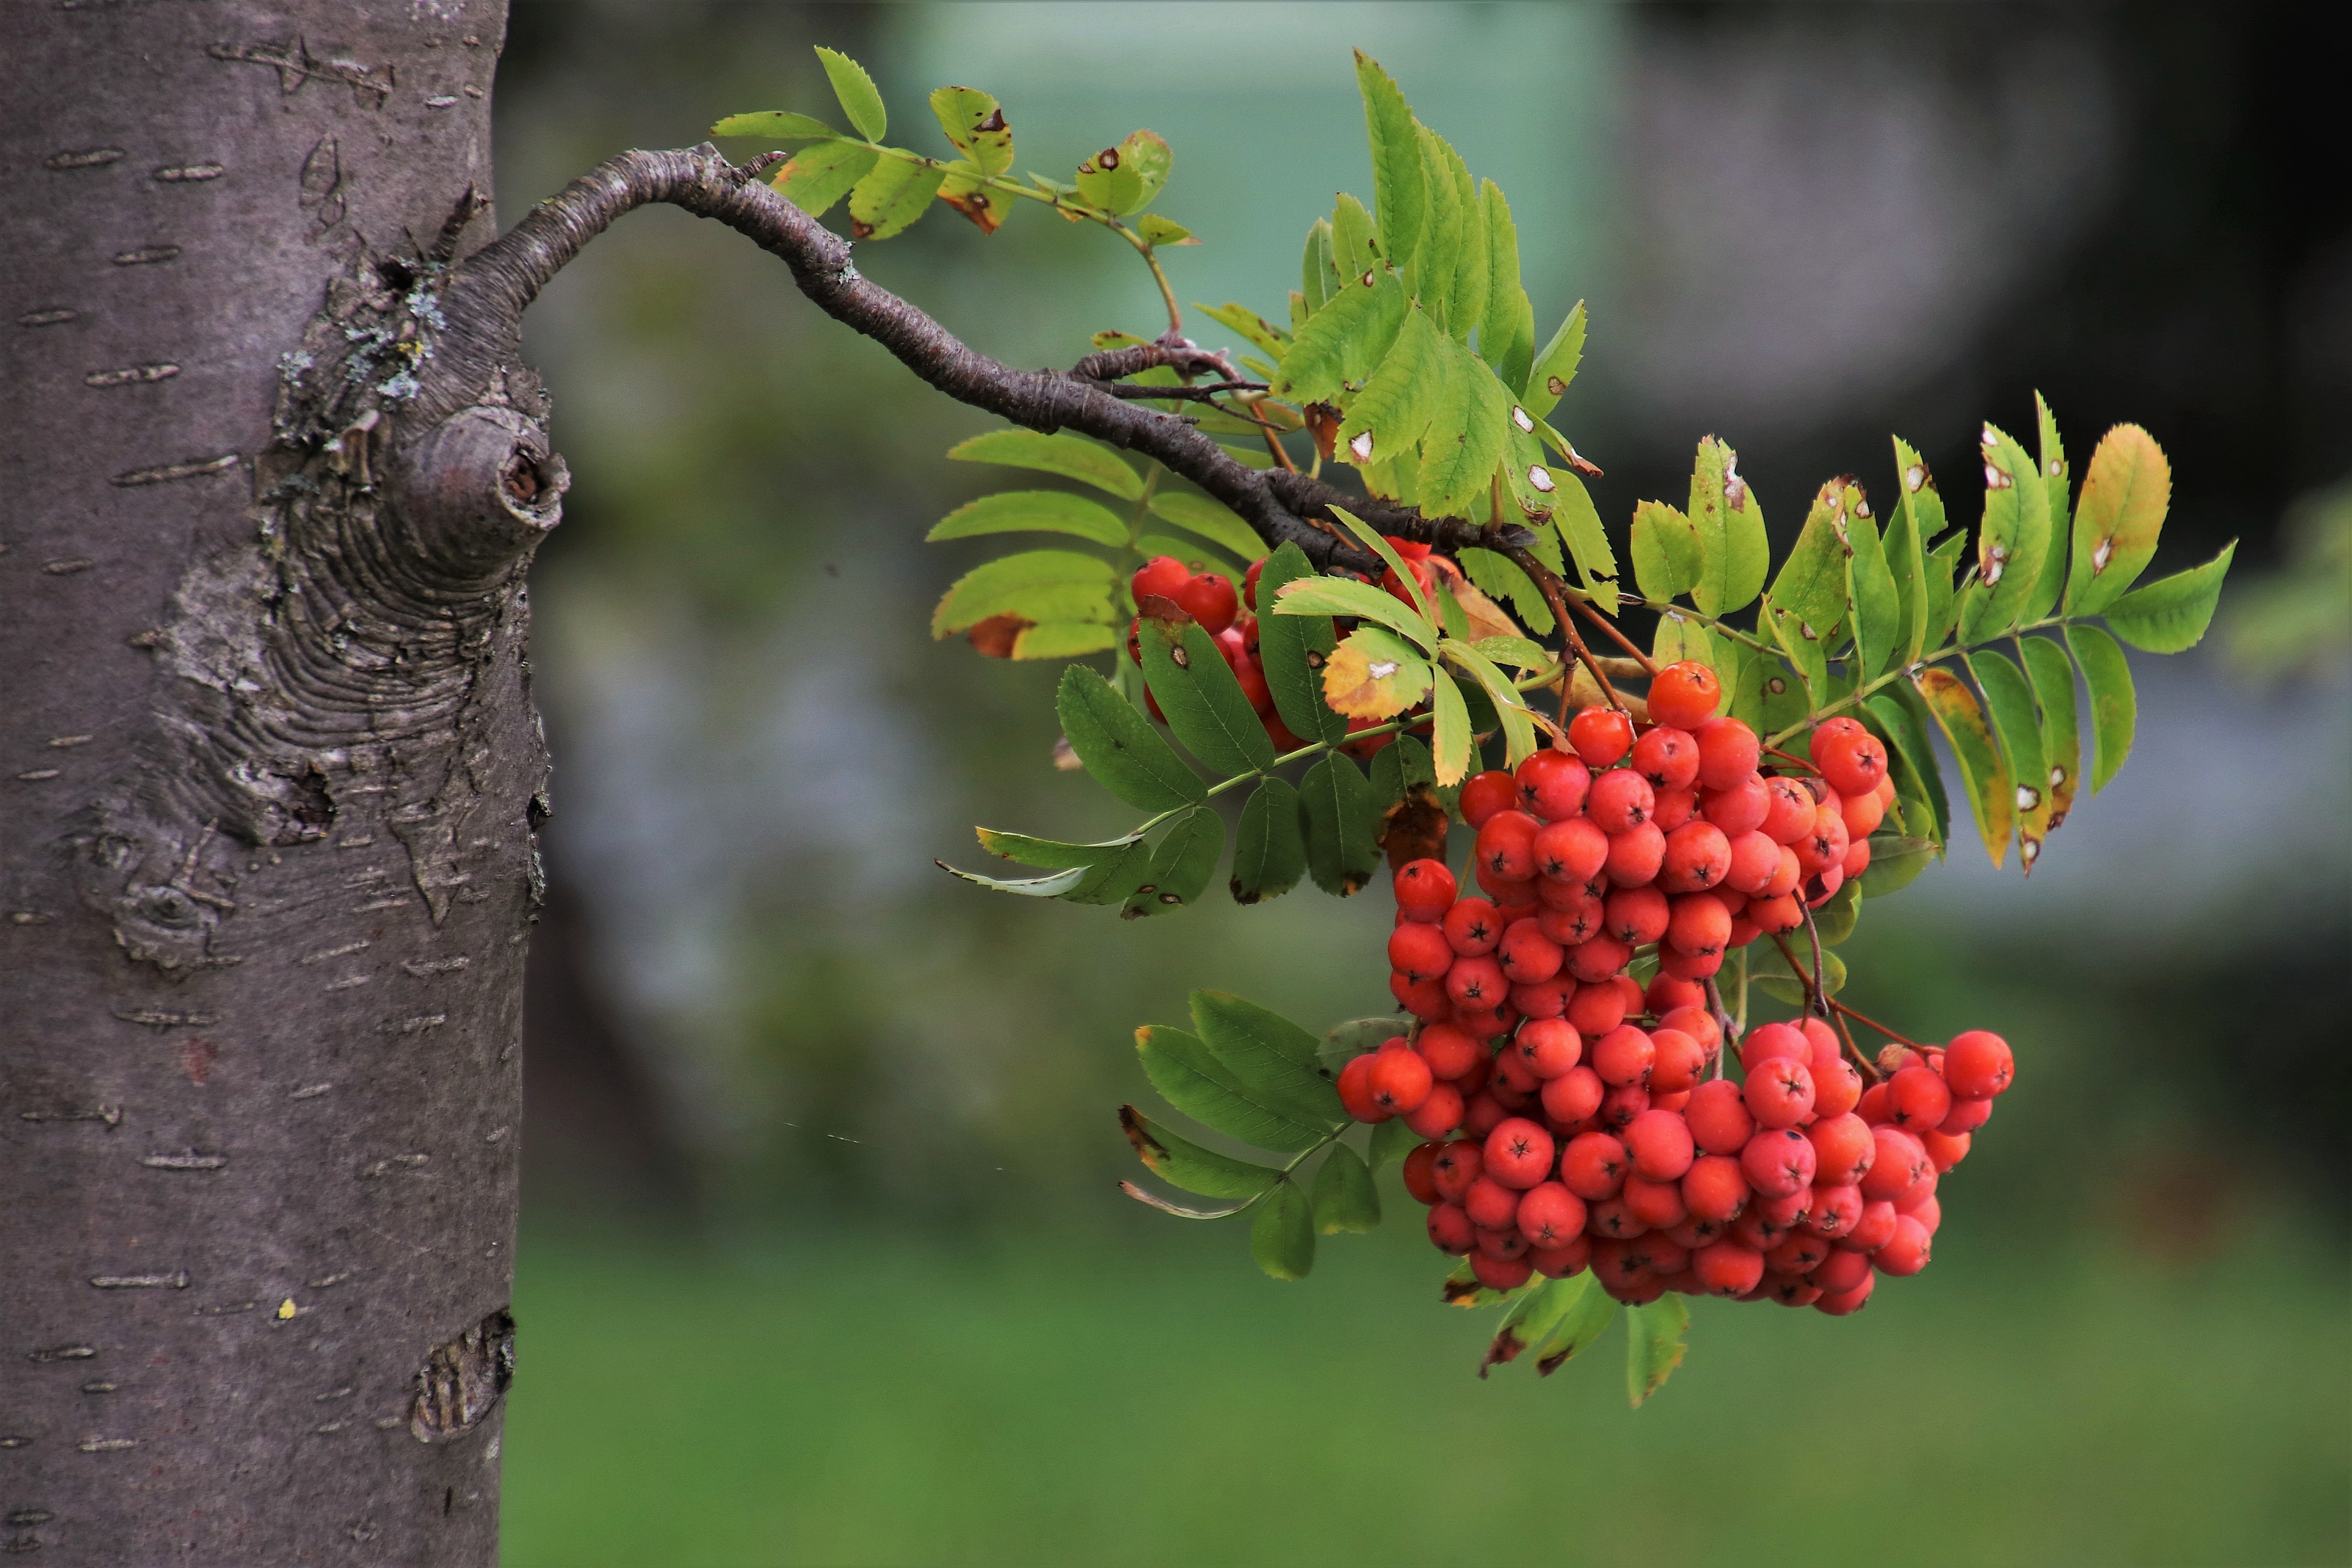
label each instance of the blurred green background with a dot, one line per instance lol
(823, 1258)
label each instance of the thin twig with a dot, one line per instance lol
(1870, 1022)
(1593, 614)
(1208, 394)
(1548, 584)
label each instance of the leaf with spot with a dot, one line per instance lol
(1343, 342)
(2053, 674)
(775, 125)
(1256, 329)
(1588, 1310)
(1804, 650)
(1180, 868)
(974, 124)
(1555, 367)
(1654, 1344)
(1535, 1313)
(1293, 649)
(1071, 456)
(1035, 585)
(1269, 851)
(2011, 542)
(1900, 717)
(1587, 542)
(1118, 746)
(1187, 671)
(1399, 192)
(1734, 552)
(1218, 525)
(860, 99)
(1271, 1057)
(2052, 469)
(2118, 517)
(1282, 1234)
(1343, 845)
(1039, 512)
(1355, 246)
(1811, 581)
(1189, 1167)
(1991, 794)
(1666, 552)
(1190, 1076)
(1394, 410)
(1918, 517)
(2170, 614)
(1375, 674)
(2114, 705)
(1124, 179)
(1344, 1197)
(1877, 610)
(818, 177)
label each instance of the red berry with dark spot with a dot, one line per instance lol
(1624, 1056)
(1485, 795)
(1623, 1102)
(1552, 785)
(1526, 955)
(1906, 1252)
(1727, 1268)
(1473, 928)
(1593, 1166)
(1600, 735)
(1549, 1046)
(1853, 760)
(1450, 1230)
(1571, 852)
(1506, 845)
(1917, 1099)
(1421, 998)
(1679, 1061)
(1420, 1176)
(1843, 1149)
(1518, 1152)
(1685, 694)
(1700, 926)
(1667, 757)
(1550, 1217)
(1977, 1065)
(1161, 577)
(1898, 1163)
(1456, 1165)
(1777, 1161)
(1420, 951)
(1621, 798)
(1697, 856)
(1847, 1303)
(1718, 1118)
(1790, 814)
(1400, 1080)
(1637, 916)
(1476, 983)
(1780, 1093)
(1561, 1262)
(1425, 890)
(1715, 1189)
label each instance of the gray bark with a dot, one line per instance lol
(268, 792)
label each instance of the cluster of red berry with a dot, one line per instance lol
(1210, 598)
(1598, 1128)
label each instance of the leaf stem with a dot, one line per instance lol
(1870, 1022)
(1555, 594)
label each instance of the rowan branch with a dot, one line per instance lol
(488, 292)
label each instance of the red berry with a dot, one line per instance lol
(1612, 1218)
(1485, 795)
(1620, 799)
(1667, 757)
(1593, 1166)
(1798, 1254)
(1727, 1268)
(1697, 856)
(1673, 808)
(1552, 785)
(1718, 1118)
(1512, 896)
(1572, 851)
(1624, 1056)
(1977, 1065)
(1843, 1149)
(1779, 1094)
(1790, 814)
(1767, 1041)
(1623, 1102)
(1665, 993)
(1682, 965)
(1853, 760)
(1600, 735)
(1550, 1046)
(1637, 916)
(1679, 1061)
(1921, 1191)
(1550, 1217)
(1728, 751)
(1439, 1115)
(1500, 1273)
(1161, 577)
(1700, 926)
(1715, 1189)
(1526, 955)
(1476, 983)
(1421, 998)
(1355, 1096)
(1598, 1008)
(1473, 928)
(1873, 1229)
(1574, 1096)
(1741, 808)
(1684, 694)
(1420, 951)
(1945, 1150)
(1917, 1099)
(1906, 1252)
(1490, 1205)
(1450, 1230)
(1544, 998)
(1449, 1051)
(1658, 1205)
(1506, 845)
(1847, 1303)
(1210, 599)
(1967, 1116)
(1825, 844)
(1424, 890)
(1561, 1262)
(1249, 582)
(1635, 854)
(1899, 1163)
(1518, 1152)
(1400, 1080)
(1596, 959)
(1840, 1271)
(1697, 1022)
(1862, 814)
(1420, 1174)
(1512, 1071)
(1777, 1161)
(1659, 1142)
(1837, 1086)
(1457, 1166)
(1771, 915)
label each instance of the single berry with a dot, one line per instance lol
(1790, 814)
(1500, 1273)
(1506, 845)
(1665, 993)
(1678, 1063)
(1840, 1271)
(1602, 735)
(1697, 856)
(1777, 1161)
(1440, 1113)
(1421, 998)
(1724, 1267)
(1728, 751)
(1552, 785)
(1355, 1094)
(1637, 916)
(1420, 951)
(1739, 808)
(1851, 761)
(1473, 928)
(1526, 955)
(1694, 1020)
(1917, 1099)
(1490, 1205)
(1593, 1166)
(1425, 890)
(1623, 1102)
(1249, 582)
(1766, 1042)
(1714, 1189)
(1658, 1205)
(1685, 694)
(1874, 1229)
(1977, 1065)
(1635, 854)
(1906, 1252)
(1211, 600)
(1161, 577)
(1624, 1056)
(1544, 998)
(1450, 1230)
(1550, 1217)
(1779, 1094)
(1718, 1118)
(1667, 757)
(1574, 1096)
(1476, 983)
(1561, 1262)
(1621, 798)
(1700, 926)
(1485, 795)
(1659, 1144)
(1571, 852)
(1518, 1152)
(1420, 1177)
(1673, 808)
(1848, 1302)
(1549, 1046)
(1945, 1150)
(1457, 1166)
(1843, 1149)
(1597, 959)
(1899, 1163)
(1400, 1080)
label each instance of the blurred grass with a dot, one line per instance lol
(1068, 1397)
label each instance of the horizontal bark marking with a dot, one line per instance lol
(194, 467)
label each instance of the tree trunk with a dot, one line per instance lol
(270, 782)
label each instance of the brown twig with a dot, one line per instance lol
(1628, 644)
(1555, 594)
(1788, 757)
(1868, 1022)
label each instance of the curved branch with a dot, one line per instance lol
(486, 295)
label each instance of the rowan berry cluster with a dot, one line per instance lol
(1578, 1119)
(1210, 598)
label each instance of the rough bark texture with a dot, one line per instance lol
(268, 792)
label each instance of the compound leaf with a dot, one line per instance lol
(1186, 1165)
(1118, 746)
(2171, 614)
(860, 99)
(1273, 1059)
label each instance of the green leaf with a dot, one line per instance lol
(1355, 247)
(1812, 581)
(1189, 1167)
(1940, 607)
(774, 125)
(974, 124)
(1499, 577)
(1399, 192)
(2117, 517)
(1345, 339)
(2009, 703)
(1269, 851)
(2053, 674)
(2114, 706)
(1052, 886)
(1666, 552)
(1294, 650)
(1744, 671)
(1272, 1058)
(1654, 1345)
(1588, 542)
(1189, 1076)
(2172, 613)
(1119, 747)
(1048, 852)
(1111, 882)
(1878, 629)
(1217, 524)
(1180, 868)
(1039, 512)
(1518, 731)
(1465, 437)
(2053, 471)
(1768, 970)
(1036, 584)
(1391, 1140)
(1342, 835)
(1902, 720)
(1071, 456)
(1836, 919)
(1520, 653)
(1918, 516)
(1148, 154)
(1345, 1198)
(1991, 794)
(1157, 230)
(1438, 256)
(1895, 863)
(1187, 671)
(1282, 1235)
(820, 175)
(2011, 542)
(1252, 326)
(1466, 299)
(859, 98)
(1555, 367)
(1679, 637)
(1395, 407)
(1732, 550)
(1451, 750)
(1805, 648)
(1346, 596)
(1063, 639)
(1535, 1313)
(1497, 326)
(1588, 1310)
